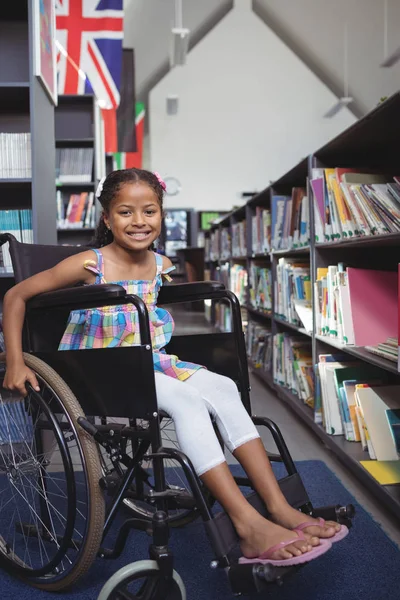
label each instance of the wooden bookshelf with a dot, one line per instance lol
(78, 125)
(371, 143)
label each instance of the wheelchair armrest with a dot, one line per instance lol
(191, 292)
(88, 296)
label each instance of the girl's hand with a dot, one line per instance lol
(17, 376)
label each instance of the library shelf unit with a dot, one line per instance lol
(372, 144)
(78, 124)
(25, 108)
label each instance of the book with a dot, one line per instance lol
(351, 203)
(385, 472)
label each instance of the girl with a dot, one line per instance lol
(132, 202)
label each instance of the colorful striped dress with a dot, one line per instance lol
(113, 326)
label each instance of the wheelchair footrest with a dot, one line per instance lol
(221, 532)
(251, 578)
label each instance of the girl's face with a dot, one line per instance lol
(135, 216)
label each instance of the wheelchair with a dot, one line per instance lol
(90, 444)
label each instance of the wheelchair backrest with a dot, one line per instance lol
(29, 259)
(116, 382)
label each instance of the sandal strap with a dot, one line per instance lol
(268, 553)
(321, 523)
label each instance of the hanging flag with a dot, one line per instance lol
(126, 109)
(89, 36)
(129, 160)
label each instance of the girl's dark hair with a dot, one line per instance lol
(111, 186)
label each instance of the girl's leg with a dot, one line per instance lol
(198, 441)
(241, 437)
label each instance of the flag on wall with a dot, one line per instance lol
(89, 36)
(129, 160)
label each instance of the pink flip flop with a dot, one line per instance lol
(264, 558)
(343, 531)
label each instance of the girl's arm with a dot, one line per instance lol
(67, 273)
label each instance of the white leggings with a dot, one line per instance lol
(190, 404)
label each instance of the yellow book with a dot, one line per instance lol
(321, 272)
(386, 472)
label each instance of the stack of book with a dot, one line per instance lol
(74, 165)
(260, 288)
(261, 231)
(75, 211)
(293, 292)
(15, 155)
(239, 247)
(357, 401)
(290, 220)
(388, 349)
(293, 367)
(347, 301)
(348, 204)
(259, 346)
(19, 224)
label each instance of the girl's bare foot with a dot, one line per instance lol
(289, 517)
(258, 535)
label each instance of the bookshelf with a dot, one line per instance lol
(78, 138)
(25, 109)
(371, 144)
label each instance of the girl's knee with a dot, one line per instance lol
(187, 405)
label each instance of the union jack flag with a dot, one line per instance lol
(89, 42)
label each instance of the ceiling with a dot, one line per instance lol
(314, 29)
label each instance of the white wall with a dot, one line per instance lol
(249, 110)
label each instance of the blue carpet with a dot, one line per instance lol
(366, 565)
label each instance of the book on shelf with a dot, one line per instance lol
(225, 240)
(259, 346)
(214, 253)
(15, 156)
(261, 231)
(356, 306)
(260, 288)
(74, 165)
(75, 211)
(239, 246)
(290, 220)
(223, 317)
(238, 282)
(386, 472)
(350, 203)
(293, 292)
(357, 401)
(293, 367)
(388, 349)
(19, 224)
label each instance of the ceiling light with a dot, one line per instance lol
(341, 103)
(180, 45)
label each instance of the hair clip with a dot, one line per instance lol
(160, 180)
(100, 187)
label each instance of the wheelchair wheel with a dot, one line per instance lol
(51, 504)
(181, 509)
(139, 581)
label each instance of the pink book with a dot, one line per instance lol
(373, 300)
(318, 189)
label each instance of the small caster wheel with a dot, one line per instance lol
(140, 580)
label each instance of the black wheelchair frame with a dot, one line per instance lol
(87, 376)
